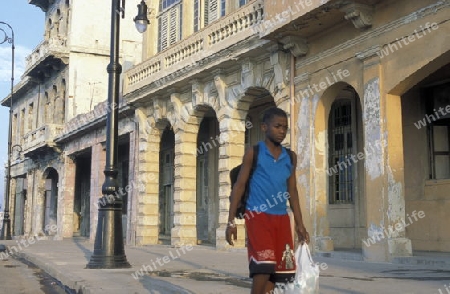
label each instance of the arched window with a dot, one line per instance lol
(169, 23)
(49, 28)
(341, 150)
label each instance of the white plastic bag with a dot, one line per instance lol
(307, 274)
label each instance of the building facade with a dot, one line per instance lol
(65, 79)
(365, 84)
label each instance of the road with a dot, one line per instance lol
(20, 277)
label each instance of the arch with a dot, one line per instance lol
(50, 220)
(166, 184)
(420, 116)
(207, 183)
(260, 101)
(419, 74)
(344, 230)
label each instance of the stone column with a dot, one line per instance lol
(185, 197)
(98, 161)
(133, 178)
(147, 169)
(12, 203)
(232, 148)
(66, 200)
(384, 176)
(29, 207)
(39, 201)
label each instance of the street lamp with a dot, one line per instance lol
(6, 230)
(109, 249)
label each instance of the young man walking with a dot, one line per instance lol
(267, 222)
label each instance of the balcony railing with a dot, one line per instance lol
(52, 46)
(228, 30)
(42, 136)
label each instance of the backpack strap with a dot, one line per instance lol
(291, 154)
(255, 157)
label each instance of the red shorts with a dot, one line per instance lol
(270, 246)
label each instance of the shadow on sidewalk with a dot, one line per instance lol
(86, 251)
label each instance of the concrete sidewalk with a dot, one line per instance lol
(204, 270)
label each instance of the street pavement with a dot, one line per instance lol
(18, 276)
(205, 270)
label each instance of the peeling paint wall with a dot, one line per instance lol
(372, 127)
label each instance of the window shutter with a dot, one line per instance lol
(164, 31)
(173, 26)
(196, 15)
(211, 11)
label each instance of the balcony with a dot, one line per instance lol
(42, 4)
(47, 56)
(198, 48)
(41, 139)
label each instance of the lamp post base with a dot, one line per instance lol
(6, 230)
(108, 262)
(109, 252)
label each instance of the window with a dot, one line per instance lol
(341, 168)
(169, 23)
(196, 15)
(22, 123)
(438, 116)
(242, 2)
(214, 9)
(164, 4)
(30, 116)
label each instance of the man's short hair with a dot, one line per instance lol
(272, 112)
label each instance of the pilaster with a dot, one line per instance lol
(312, 181)
(184, 230)
(147, 167)
(66, 201)
(384, 177)
(98, 162)
(231, 152)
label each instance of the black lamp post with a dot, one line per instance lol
(109, 249)
(6, 229)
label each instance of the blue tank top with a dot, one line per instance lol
(268, 184)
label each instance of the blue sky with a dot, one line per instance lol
(27, 22)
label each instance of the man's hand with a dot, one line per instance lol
(303, 235)
(231, 231)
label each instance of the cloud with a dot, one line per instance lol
(20, 53)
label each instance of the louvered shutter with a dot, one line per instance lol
(163, 31)
(211, 11)
(173, 26)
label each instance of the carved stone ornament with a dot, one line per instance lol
(360, 14)
(296, 45)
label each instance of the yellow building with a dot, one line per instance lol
(356, 78)
(366, 85)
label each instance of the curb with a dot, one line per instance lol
(73, 282)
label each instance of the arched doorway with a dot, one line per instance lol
(82, 197)
(340, 151)
(425, 109)
(19, 205)
(51, 202)
(207, 208)
(166, 184)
